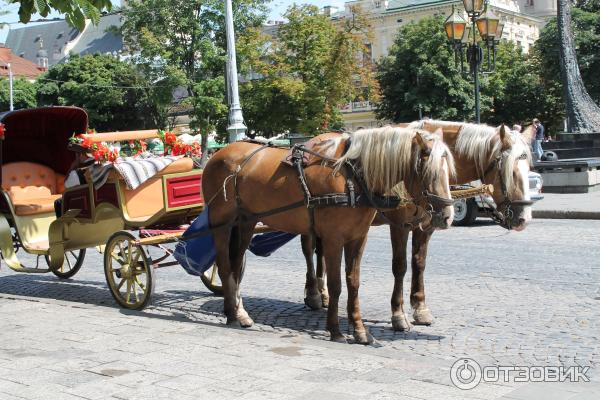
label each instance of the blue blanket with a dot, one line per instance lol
(197, 255)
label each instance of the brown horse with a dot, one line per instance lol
(494, 156)
(246, 183)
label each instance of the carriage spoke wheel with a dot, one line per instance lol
(128, 270)
(71, 264)
(211, 279)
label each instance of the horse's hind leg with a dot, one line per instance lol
(353, 253)
(240, 240)
(332, 251)
(311, 291)
(399, 238)
(420, 241)
(222, 239)
(321, 273)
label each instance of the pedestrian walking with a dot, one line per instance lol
(538, 139)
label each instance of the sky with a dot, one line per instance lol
(277, 7)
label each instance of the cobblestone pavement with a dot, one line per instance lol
(511, 299)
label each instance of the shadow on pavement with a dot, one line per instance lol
(201, 307)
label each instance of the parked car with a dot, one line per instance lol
(466, 211)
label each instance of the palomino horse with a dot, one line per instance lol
(494, 156)
(247, 183)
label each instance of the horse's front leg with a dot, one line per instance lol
(420, 241)
(311, 290)
(332, 251)
(240, 240)
(399, 238)
(353, 253)
(321, 274)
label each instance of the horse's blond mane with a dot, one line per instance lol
(387, 156)
(479, 143)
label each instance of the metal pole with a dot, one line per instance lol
(10, 86)
(475, 61)
(236, 128)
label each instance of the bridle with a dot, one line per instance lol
(435, 204)
(505, 218)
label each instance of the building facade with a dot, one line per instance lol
(523, 20)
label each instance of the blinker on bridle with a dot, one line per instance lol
(503, 218)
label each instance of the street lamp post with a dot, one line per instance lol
(471, 41)
(236, 128)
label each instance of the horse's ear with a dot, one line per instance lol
(505, 138)
(439, 132)
(421, 141)
(528, 133)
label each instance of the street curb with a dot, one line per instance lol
(565, 214)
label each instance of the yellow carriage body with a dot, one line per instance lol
(32, 180)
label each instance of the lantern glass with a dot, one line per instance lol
(474, 6)
(487, 24)
(455, 27)
(499, 31)
(467, 38)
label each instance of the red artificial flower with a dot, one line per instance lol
(100, 152)
(91, 131)
(179, 149)
(84, 141)
(196, 150)
(2, 130)
(170, 139)
(113, 155)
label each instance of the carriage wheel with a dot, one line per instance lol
(211, 279)
(71, 265)
(128, 270)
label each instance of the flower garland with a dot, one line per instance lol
(103, 153)
(2, 130)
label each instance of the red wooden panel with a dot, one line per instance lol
(78, 199)
(107, 194)
(184, 191)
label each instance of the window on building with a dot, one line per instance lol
(530, 3)
(377, 4)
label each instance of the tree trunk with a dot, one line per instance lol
(583, 115)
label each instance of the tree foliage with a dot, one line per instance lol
(420, 71)
(184, 41)
(304, 72)
(24, 94)
(75, 11)
(111, 91)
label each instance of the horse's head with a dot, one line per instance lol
(434, 167)
(508, 171)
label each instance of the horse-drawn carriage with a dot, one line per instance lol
(35, 160)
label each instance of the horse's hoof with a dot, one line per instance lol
(244, 319)
(338, 338)
(423, 316)
(313, 302)
(363, 337)
(325, 301)
(400, 323)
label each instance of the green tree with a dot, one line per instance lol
(420, 71)
(186, 38)
(111, 91)
(24, 94)
(75, 11)
(517, 90)
(305, 72)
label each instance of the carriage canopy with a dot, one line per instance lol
(41, 135)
